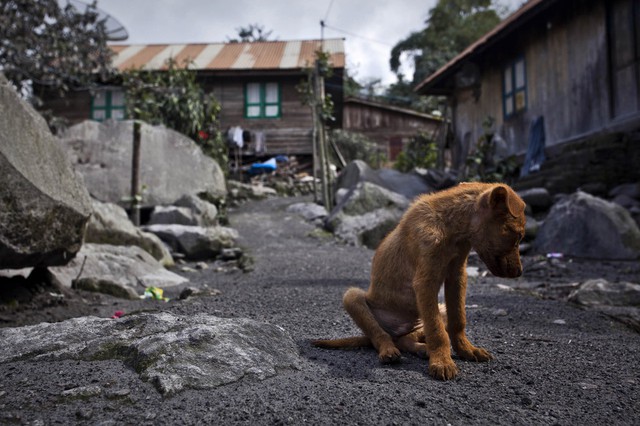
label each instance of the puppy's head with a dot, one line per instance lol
(498, 228)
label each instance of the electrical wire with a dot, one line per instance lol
(331, 27)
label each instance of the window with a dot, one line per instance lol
(262, 100)
(624, 44)
(106, 104)
(514, 88)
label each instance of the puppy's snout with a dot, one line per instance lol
(519, 271)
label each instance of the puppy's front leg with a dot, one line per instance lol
(426, 287)
(455, 289)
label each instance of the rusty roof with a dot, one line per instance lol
(504, 28)
(267, 55)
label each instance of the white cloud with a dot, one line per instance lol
(372, 27)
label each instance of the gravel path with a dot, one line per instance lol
(555, 364)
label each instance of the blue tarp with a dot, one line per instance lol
(535, 151)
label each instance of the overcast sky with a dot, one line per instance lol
(370, 27)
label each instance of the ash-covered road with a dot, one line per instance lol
(554, 363)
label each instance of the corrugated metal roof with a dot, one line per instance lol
(229, 56)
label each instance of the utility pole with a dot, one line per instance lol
(135, 174)
(323, 163)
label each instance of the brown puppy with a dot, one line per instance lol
(430, 246)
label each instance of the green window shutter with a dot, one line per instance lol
(106, 104)
(262, 100)
(514, 88)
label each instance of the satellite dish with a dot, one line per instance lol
(114, 29)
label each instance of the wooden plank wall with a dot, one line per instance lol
(567, 81)
(385, 126)
(291, 133)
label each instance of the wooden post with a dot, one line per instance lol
(322, 144)
(135, 175)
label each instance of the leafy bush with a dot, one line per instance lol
(175, 99)
(421, 151)
(482, 166)
(356, 146)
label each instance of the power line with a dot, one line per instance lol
(356, 35)
(326, 15)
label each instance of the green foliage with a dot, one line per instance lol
(250, 34)
(452, 25)
(356, 146)
(480, 163)
(174, 98)
(306, 89)
(421, 151)
(43, 43)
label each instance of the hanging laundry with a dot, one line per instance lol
(261, 142)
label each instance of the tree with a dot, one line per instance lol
(452, 25)
(60, 48)
(174, 98)
(251, 33)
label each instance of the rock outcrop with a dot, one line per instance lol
(582, 225)
(44, 208)
(111, 225)
(122, 271)
(195, 242)
(173, 352)
(171, 164)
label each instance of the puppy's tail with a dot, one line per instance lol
(344, 343)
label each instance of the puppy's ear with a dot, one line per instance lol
(505, 200)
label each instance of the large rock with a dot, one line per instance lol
(366, 214)
(539, 199)
(195, 242)
(409, 185)
(44, 208)
(173, 352)
(171, 164)
(111, 225)
(122, 271)
(582, 225)
(368, 229)
(602, 292)
(205, 213)
(172, 215)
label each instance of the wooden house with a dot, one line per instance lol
(573, 63)
(391, 127)
(255, 84)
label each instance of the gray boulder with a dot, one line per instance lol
(110, 224)
(366, 214)
(172, 215)
(619, 300)
(206, 214)
(309, 211)
(409, 185)
(366, 197)
(602, 292)
(368, 229)
(356, 172)
(122, 271)
(582, 225)
(44, 208)
(195, 242)
(539, 199)
(171, 164)
(631, 190)
(170, 351)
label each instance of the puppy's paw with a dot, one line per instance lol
(443, 370)
(474, 354)
(389, 355)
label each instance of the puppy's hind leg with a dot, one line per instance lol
(355, 303)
